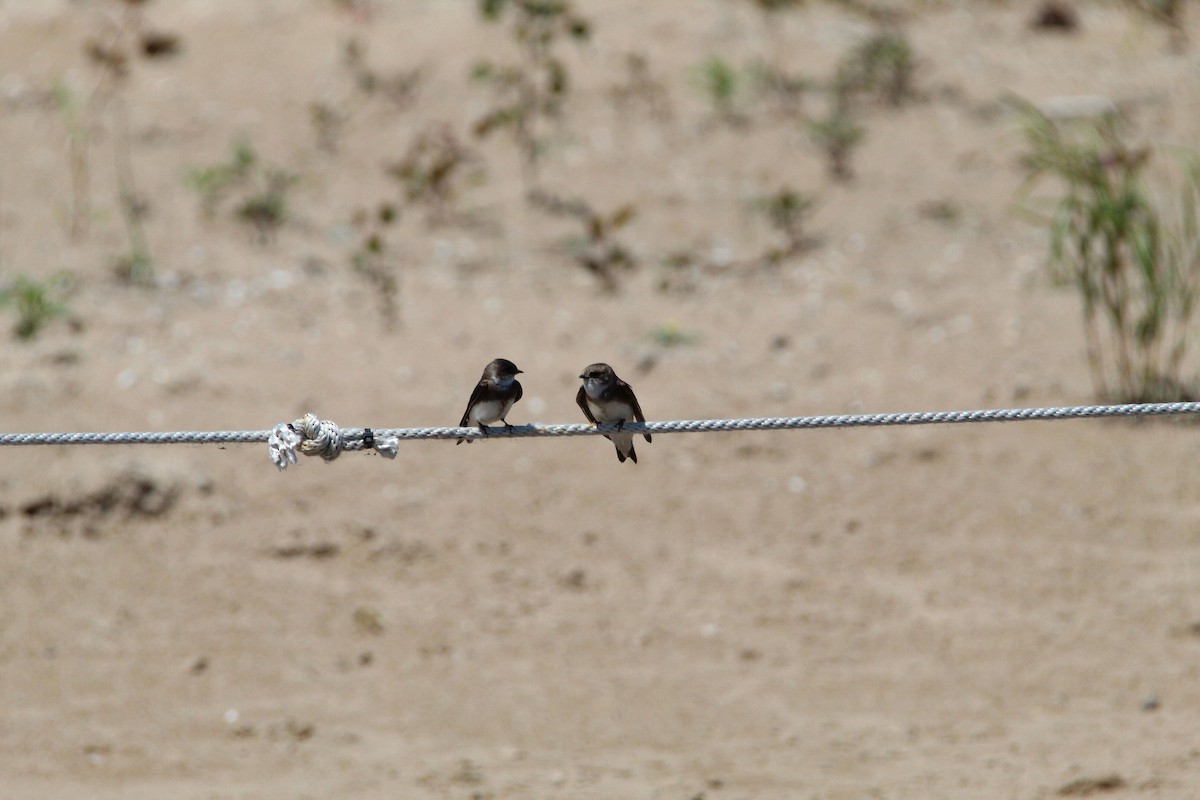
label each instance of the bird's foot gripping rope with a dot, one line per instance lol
(317, 437)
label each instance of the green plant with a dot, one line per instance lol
(531, 92)
(723, 85)
(883, 66)
(670, 334)
(640, 87)
(263, 189)
(679, 272)
(435, 169)
(135, 266)
(368, 620)
(110, 53)
(1134, 260)
(328, 121)
(398, 88)
(35, 302)
(373, 259)
(787, 211)
(597, 249)
(947, 212)
(329, 117)
(266, 207)
(213, 182)
(771, 6)
(838, 135)
(785, 89)
(879, 13)
(72, 112)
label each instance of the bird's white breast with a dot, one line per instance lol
(488, 411)
(611, 411)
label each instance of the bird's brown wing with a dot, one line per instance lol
(476, 396)
(633, 401)
(581, 400)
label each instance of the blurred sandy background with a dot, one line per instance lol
(952, 612)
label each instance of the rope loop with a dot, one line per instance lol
(321, 437)
(309, 435)
(388, 448)
(313, 436)
(282, 444)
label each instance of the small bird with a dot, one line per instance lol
(498, 389)
(606, 398)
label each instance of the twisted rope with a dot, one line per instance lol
(312, 436)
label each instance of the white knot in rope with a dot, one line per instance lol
(310, 434)
(321, 437)
(282, 445)
(313, 436)
(385, 447)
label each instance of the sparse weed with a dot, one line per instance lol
(879, 13)
(374, 260)
(786, 90)
(73, 113)
(330, 117)
(597, 249)
(212, 183)
(883, 66)
(264, 189)
(787, 211)
(946, 212)
(112, 52)
(435, 170)
(671, 334)
(368, 620)
(135, 266)
(680, 272)
(771, 6)
(398, 88)
(724, 87)
(1134, 260)
(641, 88)
(838, 135)
(266, 208)
(328, 122)
(531, 92)
(35, 303)
(731, 91)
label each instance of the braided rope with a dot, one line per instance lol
(312, 436)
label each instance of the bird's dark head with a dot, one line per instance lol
(598, 373)
(502, 369)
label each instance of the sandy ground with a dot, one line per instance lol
(1005, 611)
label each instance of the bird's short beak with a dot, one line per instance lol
(520, 372)
(583, 376)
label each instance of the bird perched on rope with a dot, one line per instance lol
(493, 397)
(606, 398)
